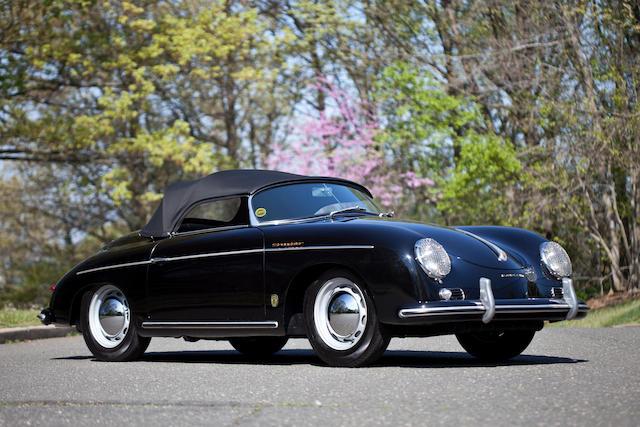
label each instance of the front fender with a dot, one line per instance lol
(385, 262)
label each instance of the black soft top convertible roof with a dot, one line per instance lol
(181, 196)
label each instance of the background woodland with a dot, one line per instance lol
(518, 113)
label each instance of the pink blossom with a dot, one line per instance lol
(342, 143)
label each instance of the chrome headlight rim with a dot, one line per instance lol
(550, 250)
(440, 252)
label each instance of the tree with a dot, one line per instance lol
(556, 81)
(342, 142)
(103, 104)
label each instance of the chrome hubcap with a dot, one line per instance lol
(344, 314)
(340, 313)
(109, 316)
(112, 316)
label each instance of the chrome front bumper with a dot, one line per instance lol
(487, 308)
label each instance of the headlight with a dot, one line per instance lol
(555, 258)
(433, 259)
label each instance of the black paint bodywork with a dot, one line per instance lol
(254, 265)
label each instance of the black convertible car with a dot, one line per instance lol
(256, 257)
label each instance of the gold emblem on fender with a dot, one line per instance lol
(286, 244)
(274, 300)
(512, 275)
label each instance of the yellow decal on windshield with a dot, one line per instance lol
(260, 212)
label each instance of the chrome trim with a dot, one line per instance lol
(436, 311)
(207, 230)
(253, 220)
(290, 221)
(225, 253)
(502, 255)
(250, 251)
(301, 248)
(207, 255)
(270, 324)
(486, 297)
(108, 267)
(569, 296)
(478, 308)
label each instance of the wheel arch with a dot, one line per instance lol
(76, 300)
(294, 296)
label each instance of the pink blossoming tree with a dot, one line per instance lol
(342, 143)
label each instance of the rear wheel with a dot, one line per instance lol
(107, 327)
(341, 321)
(258, 347)
(496, 346)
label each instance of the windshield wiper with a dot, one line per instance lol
(347, 210)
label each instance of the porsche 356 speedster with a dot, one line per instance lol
(257, 257)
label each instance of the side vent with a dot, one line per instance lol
(557, 292)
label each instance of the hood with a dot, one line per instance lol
(459, 244)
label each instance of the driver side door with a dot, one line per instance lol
(211, 269)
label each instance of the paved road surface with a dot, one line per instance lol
(566, 377)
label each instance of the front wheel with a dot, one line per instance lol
(107, 327)
(496, 346)
(258, 347)
(341, 321)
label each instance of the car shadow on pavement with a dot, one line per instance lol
(391, 358)
(460, 359)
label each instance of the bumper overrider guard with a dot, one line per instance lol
(487, 308)
(46, 316)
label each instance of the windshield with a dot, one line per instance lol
(309, 200)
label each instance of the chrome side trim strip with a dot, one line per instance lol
(207, 255)
(271, 324)
(311, 248)
(478, 308)
(109, 267)
(251, 251)
(207, 230)
(225, 253)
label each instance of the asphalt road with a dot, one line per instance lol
(566, 377)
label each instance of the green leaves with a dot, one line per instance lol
(481, 188)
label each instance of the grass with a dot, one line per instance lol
(10, 318)
(621, 314)
(624, 313)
